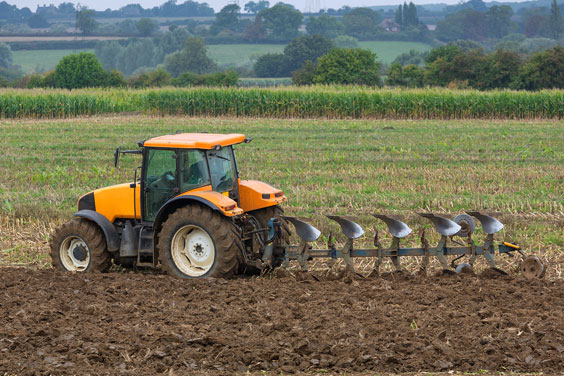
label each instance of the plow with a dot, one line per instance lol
(456, 239)
(189, 213)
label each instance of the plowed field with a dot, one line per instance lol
(55, 323)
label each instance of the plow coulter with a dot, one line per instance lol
(456, 239)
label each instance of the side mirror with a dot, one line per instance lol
(116, 157)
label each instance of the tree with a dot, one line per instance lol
(556, 22)
(499, 21)
(255, 31)
(325, 25)
(37, 21)
(254, 8)
(84, 21)
(500, 70)
(153, 78)
(465, 24)
(282, 21)
(146, 27)
(171, 41)
(227, 18)
(114, 79)
(412, 57)
(360, 21)
(450, 63)
(127, 27)
(411, 18)
(345, 41)
(270, 65)
(107, 52)
(6, 59)
(399, 15)
(304, 75)
(408, 76)
(193, 58)
(348, 66)
(66, 8)
(304, 48)
(535, 25)
(545, 70)
(137, 54)
(78, 71)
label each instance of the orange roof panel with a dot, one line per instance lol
(195, 140)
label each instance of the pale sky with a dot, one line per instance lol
(218, 4)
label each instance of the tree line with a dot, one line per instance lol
(446, 66)
(475, 21)
(452, 66)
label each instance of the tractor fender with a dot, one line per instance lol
(112, 237)
(177, 202)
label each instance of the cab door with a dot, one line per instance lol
(223, 172)
(159, 180)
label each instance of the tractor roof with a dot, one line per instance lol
(195, 140)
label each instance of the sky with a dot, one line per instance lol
(218, 4)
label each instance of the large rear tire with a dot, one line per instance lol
(80, 246)
(197, 242)
(263, 216)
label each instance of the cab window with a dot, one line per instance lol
(222, 169)
(193, 169)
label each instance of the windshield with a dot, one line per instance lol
(222, 169)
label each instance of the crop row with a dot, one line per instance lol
(312, 102)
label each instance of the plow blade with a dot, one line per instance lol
(350, 229)
(397, 228)
(462, 226)
(489, 224)
(444, 226)
(307, 232)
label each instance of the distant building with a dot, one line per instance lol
(47, 10)
(389, 26)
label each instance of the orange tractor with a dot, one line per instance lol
(190, 212)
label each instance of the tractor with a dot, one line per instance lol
(191, 214)
(188, 213)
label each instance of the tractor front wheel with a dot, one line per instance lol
(80, 246)
(196, 241)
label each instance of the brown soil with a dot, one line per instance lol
(55, 323)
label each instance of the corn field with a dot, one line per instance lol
(336, 102)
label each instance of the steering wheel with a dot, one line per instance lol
(225, 181)
(168, 177)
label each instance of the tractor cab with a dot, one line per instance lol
(170, 172)
(183, 163)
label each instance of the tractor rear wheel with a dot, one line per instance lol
(80, 246)
(197, 242)
(263, 216)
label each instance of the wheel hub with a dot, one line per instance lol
(199, 248)
(80, 253)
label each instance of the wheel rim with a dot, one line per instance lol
(74, 254)
(193, 250)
